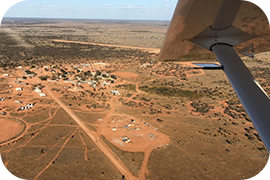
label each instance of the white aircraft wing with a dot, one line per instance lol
(205, 29)
(191, 17)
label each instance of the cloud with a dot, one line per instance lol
(169, 1)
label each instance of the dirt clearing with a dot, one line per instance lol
(9, 129)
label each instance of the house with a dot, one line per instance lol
(19, 102)
(106, 75)
(115, 92)
(30, 104)
(146, 65)
(42, 95)
(100, 63)
(3, 113)
(30, 75)
(23, 108)
(94, 73)
(105, 83)
(19, 89)
(37, 90)
(101, 77)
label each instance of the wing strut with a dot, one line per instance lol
(220, 38)
(250, 93)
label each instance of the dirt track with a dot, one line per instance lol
(110, 155)
(150, 50)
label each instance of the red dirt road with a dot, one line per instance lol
(106, 150)
(150, 50)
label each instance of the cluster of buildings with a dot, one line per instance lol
(84, 65)
(19, 81)
(76, 75)
(27, 106)
(2, 112)
(126, 140)
(133, 125)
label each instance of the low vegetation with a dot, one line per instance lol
(128, 87)
(172, 92)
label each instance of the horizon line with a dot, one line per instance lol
(53, 18)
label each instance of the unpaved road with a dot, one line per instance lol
(105, 149)
(150, 50)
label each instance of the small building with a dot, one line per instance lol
(94, 73)
(146, 65)
(6, 75)
(100, 64)
(30, 104)
(100, 120)
(106, 75)
(126, 139)
(23, 108)
(115, 92)
(19, 89)
(37, 90)
(105, 83)
(3, 113)
(30, 75)
(19, 67)
(114, 129)
(42, 95)
(19, 102)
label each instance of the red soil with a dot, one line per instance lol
(9, 129)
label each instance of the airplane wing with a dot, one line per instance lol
(205, 29)
(191, 17)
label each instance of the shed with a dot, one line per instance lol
(42, 95)
(19, 89)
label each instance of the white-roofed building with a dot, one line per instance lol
(115, 92)
(19, 89)
(42, 95)
(37, 90)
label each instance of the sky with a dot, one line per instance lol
(95, 9)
